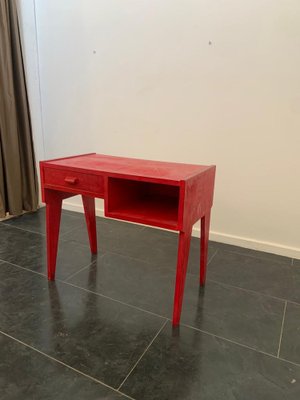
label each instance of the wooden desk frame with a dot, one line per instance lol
(167, 195)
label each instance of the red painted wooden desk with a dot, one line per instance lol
(167, 195)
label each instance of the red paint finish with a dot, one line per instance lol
(205, 221)
(53, 214)
(90, 217)
(182, 262)
(167, 195)
(144, 202)
(128, 167)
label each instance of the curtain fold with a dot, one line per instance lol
(18, 178)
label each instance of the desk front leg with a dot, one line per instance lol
(90, 217)
(205, 222)
(182, 262)
(53, 215)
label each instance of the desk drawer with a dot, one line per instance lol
(75, 182)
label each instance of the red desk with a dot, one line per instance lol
(167, 195)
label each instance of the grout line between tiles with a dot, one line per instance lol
(81, 288)
(210, 259)
(116, 253)
(140, 260)
(43, 275)
(83, 268)
(65, 365)
(281, 330)
(293, 302)
(161, 316)
(22, 229)
(249, 290)
(138, 308)
(241, 253)
(111, 298)
(182, 324)
(61, 235)
(173, 269)
(23, 268)
(226, 339)
(241, 345)
(147, 348)
(105, 222)
(144, 227)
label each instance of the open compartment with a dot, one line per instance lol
(144, 202)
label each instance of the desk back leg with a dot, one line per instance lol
(182, 262)
(205, 222)
(90, 217)
(53, 214)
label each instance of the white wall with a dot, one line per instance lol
(200, 81)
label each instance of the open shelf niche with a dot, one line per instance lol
(143, 202)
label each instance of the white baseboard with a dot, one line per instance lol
(254, 244)
(248, 243)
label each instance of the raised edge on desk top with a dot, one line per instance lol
(128, 167)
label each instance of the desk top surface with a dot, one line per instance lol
(129, 166)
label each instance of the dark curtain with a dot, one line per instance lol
(18, 179)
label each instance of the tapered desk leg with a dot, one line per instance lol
(90, 217)
(205, 221)
(182, 262)
(53, 214)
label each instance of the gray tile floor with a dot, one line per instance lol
(103, 330)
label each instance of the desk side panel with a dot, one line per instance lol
(42, 180)
(199, 192)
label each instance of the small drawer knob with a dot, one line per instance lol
(71, 180)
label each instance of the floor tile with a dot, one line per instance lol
(111, 234)
(290, 345)
(103, 338)
(137, 241)
(262, 275)
(160, 247)
(254, 253)
(145, 285)
(143, 243)
(189, 365)
(28, 250)
(28, 375)
(248, 318)
(97, 336)
(36, 222)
